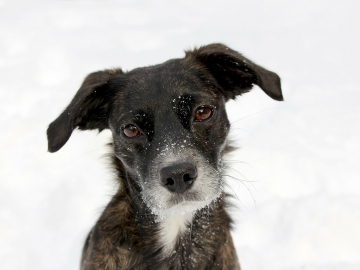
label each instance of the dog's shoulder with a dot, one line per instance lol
(110, 244)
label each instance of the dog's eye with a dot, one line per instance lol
(203, 113)
(131, 131)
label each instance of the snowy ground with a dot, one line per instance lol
(299, 206)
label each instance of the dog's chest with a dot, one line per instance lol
(187, 241)
(178, 242)
(172, 228)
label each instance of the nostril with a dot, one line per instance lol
(188, 179)
(169, 182)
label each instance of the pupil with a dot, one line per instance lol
(203, 113)
(131, 131)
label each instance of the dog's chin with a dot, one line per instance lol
(187, 207)
(179, 204)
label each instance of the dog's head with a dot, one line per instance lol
(168, 121)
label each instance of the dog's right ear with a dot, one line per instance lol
(88, 110)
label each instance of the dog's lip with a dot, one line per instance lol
(190, 201)
(184, 207)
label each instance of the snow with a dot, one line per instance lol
(299, 201)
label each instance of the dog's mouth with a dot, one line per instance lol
(190, 203)
(190, 198)
(162, 202)
(180, 206)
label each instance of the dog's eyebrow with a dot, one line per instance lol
(199, 97)
(136, 115)
(141, 115)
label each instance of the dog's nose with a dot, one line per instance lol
(178, 177)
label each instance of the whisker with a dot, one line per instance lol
(226, 184)
(235, 162)
(238, 172)
(242, 182)
(146, 215)
(135, 197)
(246, 132)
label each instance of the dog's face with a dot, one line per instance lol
(169, 129)
(168, 122)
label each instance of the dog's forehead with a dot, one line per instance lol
(160, 85)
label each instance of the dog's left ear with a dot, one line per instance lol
(234, 73)
(88, 110)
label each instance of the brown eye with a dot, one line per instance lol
(203, 113)
(131, 131)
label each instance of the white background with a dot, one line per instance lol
(298, 203)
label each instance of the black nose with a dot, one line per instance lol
(178, 177)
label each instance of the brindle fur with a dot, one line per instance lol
(126, 235)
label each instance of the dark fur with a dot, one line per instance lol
(127, 234)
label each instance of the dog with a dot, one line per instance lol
(169, 134)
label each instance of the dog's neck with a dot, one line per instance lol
(129, 224)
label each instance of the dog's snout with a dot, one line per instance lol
(178, 177)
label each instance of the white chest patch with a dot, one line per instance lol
(171, 227)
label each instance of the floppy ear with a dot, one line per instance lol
(88, 109)
(234, 73)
